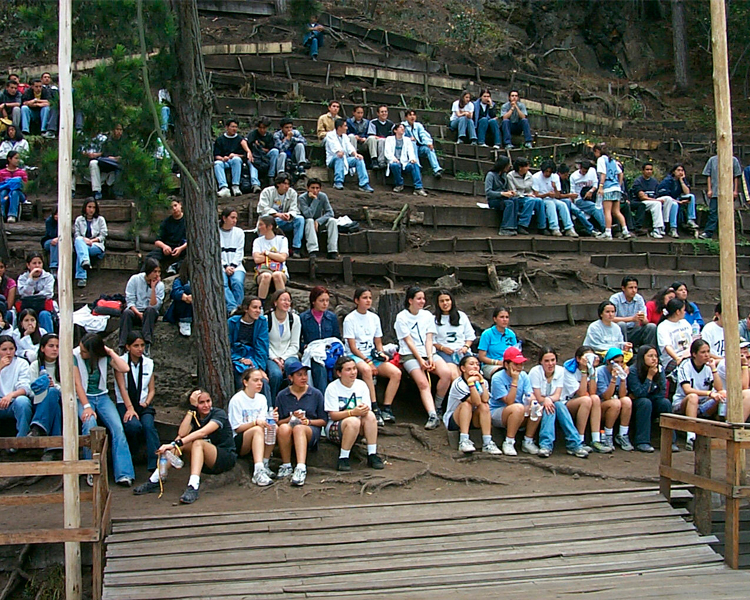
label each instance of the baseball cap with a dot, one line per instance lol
(514, 355)
(295, 366)
(744, 344)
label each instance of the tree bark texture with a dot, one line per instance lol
(192, 106)
(679, 43)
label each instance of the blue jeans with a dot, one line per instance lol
(84, 253)
(484, 124)
(48, 413)
(579, 215)
(276, 377)
(53, 253)
(220, 168)
(508, 207)
(273, 158)
(234, 289)
(34, 114)
(554, 207)
(20, 410)
(45, 321)
(144, 426)
(465, 127)
(342, 165)
(11, 203)
(713, 217)
(413, 168)
(510, 129)
(563, 418)
(527, 207)
(431, 156)
(110, 418)
(297, 224)
(319, 376)
(165, 117)
(644, 411)
(589, 209)
(315, 41)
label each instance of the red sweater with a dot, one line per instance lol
(5, 174)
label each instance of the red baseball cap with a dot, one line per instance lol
(514, 355)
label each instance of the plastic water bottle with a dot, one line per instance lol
(696, 330)
(722, 408)
(270, 435)
(163, 466)
(526, 404)
(478, 386)
(173, 459)
(536, 410)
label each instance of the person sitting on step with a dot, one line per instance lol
(674, 335)
(604, 333)
(327, 122)
(205, 436)
(284, 331)
(264, 155)
(494, 341)
(379, 129)
(485, 119)
(520, 181)
(230, 150)
(279, 201)
(546, 186)
(455, 334)
(612, 389)
(348, 404)
(316, 209)
(462, 119)
(515, 120)
(12, 181)
(144, 295)
(643, 194)
(501, 198)
(36, 289)
(343, 158)
(314, 37)
(270, 251)
(419, 135)
(171, 243)
(248, 341)
(674, 192)
(291, 145)
(44, 378)
(401, 156)
(108, 161)
(647, 387)
(12, 140)
(356, 128)
(232, 240)
(630, 314)
(583, 183)
(15, 387)
(569, 197)
(89, 232)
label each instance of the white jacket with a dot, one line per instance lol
(98, 229)
(408, 153)
(15, 377)
(232, 248)
(335, 144)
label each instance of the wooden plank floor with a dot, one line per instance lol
(560, 546)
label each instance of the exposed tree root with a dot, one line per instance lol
(17, 573)
(417, 434)
(9, 483)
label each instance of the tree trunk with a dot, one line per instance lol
(390, 304)
(679, 42)
(192, 107)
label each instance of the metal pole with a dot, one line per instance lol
(72, 506)
(728, 257)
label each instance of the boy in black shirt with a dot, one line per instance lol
(264, 154)
(10, 103)
(378, 130)
(35, 106)
(171, 244)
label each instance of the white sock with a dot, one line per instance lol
(624, 429)
(287, 465)
(154, 476)
(194, 481)
(595, 437)
(625, 229)
(302, 466)
(372, 449)
(609, 430)
(463, 436)
(528, 440)
(608, 231)
(265, 462)
(344, 453)
(486, 439)
(432, 413)
(512, 440)
(258, 467)
(690, 436)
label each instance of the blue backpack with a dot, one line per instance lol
(333, 352)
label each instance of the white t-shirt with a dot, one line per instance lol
(539, 380)
(25, 347)
(417, 326)
(679, 335)
(571, 384)
(713, 333)
(277, 243)
(454, 110)
(147, 364)
(244, 409)
(578, 181)
(542, 184)
(601, 168)
(455, 336)
(363, 329)
(457, 393)
(702, 380)
(339, 397)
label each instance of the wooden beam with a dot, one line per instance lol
(685, 477)
(702, 506)
(49, 536)
(35, 499)
(65, 467)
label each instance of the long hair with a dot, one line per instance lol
(453, 317)
(640, 363)
(94, 345)
(500, 165)
(29, 312)
(40, 355)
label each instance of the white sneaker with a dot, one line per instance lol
(224, 193)
(284, 471)
(261, 478)
(11, 219)
(571, 233)
(300, 474)
(529, 447)
(655, 234)
(491, 448)
(466, 446)
(509, 448)
(607, 235)
(186, 329)
(236, 190)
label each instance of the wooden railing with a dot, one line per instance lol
(99, 496)
(737, 438)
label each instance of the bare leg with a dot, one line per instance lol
(580, 410)
(302, 434)
(350, 427)
(512, 419)
(483, 418)
(365, 374)
(424, 389)
(611, 409)
(393, 373)
(264, 283)
(369, 428)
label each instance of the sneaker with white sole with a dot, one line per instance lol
(466, 446)
(186, 329)
(491, 448)
(580, 452)
(284, 471)
(544, 452)
(624, 442)
(261, 478)
(529, 447)
(224, 193)
(571, 233)
(607, 235)
(432, 422)
(509, 448)
(299, 476)
(655, 234)
(236, 190)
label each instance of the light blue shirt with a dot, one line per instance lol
(495, 343)
(501, 388)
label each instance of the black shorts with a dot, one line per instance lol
(238, 442)
(225, 461)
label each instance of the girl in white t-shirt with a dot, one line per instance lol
(28, 334)
(347, 402)
(270, 251)
(674, 336)
(462, 118)
(415, 330)
(232, 240)
(247, 414)
(454, 331)
(364, 339)
(610, 191)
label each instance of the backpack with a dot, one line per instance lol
(246, 185)
(333, 352)
(291, 320)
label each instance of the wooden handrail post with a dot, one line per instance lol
(732, 518)
(665, 484)
(702, 503)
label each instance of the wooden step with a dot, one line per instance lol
(663, 262)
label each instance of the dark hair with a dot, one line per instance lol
(184, 274)
(520, 162)
(581, 350)
(262, 121)
(453, 317)
(658, 298)
(548, 164)
(498, 310)
(485, 91)
(11, 154)
(317, 292)
(86, 203)
(133, 337)
(648, 163)
(461, 102)
(381, 106)
(411, 292)
(627, 279)
(29, 312)
(17, 137)
(602, 305)
(602, 147)
(340, 362)
(94, 345)
(285, 121)
(246, 302)
(281, 178)
(717, 308)
(396, 125)
(409, 111)
(586, 164)
(273, 298)
(269, 221)
(674, 305)
(314, 181)
(640, 364)
(36, 80)
(150, 265)
(697, 345)
(514, 90)
(688, 306)
(545, 350)
(40, 354)
(339, 122)
(228, 122)
(501, 164)
(356, 106)
(359, 291)
(247, 373)
(675, 167)
(7, 338)
(562, 168)
(33, 254)
(330, 102)
(225, 213)
(465, 358)
(175, 199)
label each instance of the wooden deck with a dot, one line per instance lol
(598, 543)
